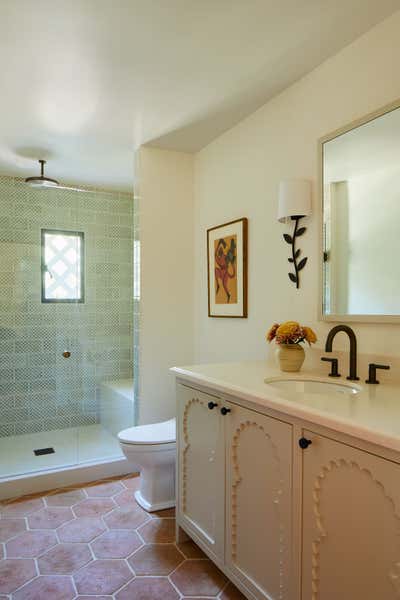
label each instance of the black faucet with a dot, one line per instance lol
(353, 348)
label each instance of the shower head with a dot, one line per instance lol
(43, 182)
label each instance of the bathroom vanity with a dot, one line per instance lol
(292, 489)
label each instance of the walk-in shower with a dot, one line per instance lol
(66, 317)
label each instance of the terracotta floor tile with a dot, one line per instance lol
(94, 507)
(14, 573)
(10, 528)
(131, 483)
(232, 593)
(102, 577)
(163, 514)
(156, 559)
(64, 559)
(197, 577)
(68, 498)
(94, 598)
(148, 588)
(50, 518)
(126, 498)
(118, 543)
(21, 507)
(104, 490)
(158, 531)
(84, 529)
(191, 550)
(47, 588)
(30, 544)
(126, 518)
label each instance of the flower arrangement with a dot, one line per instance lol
(290, 332)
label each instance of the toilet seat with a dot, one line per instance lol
(154, 434)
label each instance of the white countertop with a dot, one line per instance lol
(372, 415)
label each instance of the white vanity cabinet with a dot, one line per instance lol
(258, 501)
(234, 478)
(201, 468)
(351, 523)
(283, 520)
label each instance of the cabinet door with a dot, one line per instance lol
(258, 503)
(351, 523)
(201, 468)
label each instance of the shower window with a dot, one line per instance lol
(62, 266)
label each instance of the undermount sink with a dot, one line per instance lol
(310, 386)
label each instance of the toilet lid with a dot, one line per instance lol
(155, 433)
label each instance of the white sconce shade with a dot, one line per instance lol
(294, 199)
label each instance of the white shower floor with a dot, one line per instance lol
(73, 446)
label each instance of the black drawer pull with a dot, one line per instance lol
(225, 411)
(212, 405)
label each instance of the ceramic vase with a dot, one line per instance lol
(290, 357)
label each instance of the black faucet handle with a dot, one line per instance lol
(372, 372)
(334, 366)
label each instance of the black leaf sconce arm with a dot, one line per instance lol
(294, 203)
(291, 239)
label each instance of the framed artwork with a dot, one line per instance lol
(227, 269)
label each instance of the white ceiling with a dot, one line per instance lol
(85, 82)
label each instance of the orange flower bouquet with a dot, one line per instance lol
(289, 336)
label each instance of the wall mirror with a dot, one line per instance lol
(361, 219)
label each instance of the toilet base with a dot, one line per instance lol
(152, 507)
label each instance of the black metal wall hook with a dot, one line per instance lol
(291, 239)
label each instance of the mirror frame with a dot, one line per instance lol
(326, 138)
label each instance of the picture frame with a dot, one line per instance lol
(227, 269)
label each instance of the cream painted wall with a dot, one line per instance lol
(238, 176)
(165, 200)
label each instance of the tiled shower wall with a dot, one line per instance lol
(39, 389)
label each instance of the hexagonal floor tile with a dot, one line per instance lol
(158, 531)
(156, 559)
(104, 490)
(50, 518)
(10, 528)
(232, 593)
(102, 577)
(126, 498)
(146, 588)
(21, 507)
(64, 559)
(126, 518)
(47, 588)
(93, 598)
(14, 573)
(131, 483)
(67, 498)
(191, 550)
(84, 529)
(118, 543)
(30, 544)
(197, 577)
(94, 507)
(163, 514)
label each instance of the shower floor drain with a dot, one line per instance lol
(42, 451)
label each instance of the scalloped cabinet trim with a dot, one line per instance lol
(275, 498)
(276, 493)
(334, 525)
(186, 447)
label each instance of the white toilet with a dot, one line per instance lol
(151, 449)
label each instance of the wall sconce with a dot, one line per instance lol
(294, 204)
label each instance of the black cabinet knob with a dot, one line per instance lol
(212, 405)
(225, 411)
(304, 443)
